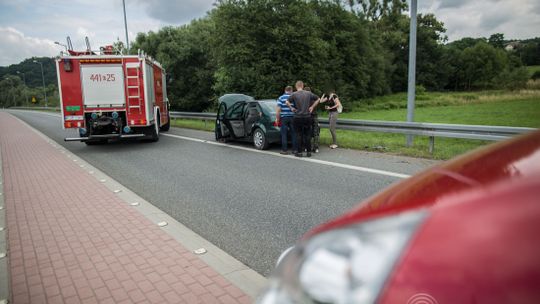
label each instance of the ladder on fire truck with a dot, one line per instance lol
(133, 87)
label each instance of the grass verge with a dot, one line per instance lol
(533, 68)
(193, 124)
(445, 148)
(524, 112)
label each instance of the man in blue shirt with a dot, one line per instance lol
(285, 115)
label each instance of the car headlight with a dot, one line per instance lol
(346, 265)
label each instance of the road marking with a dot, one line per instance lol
(311, 160)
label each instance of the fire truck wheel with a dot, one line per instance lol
(166, 126)
(154, 132)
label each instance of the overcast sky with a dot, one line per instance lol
(29, 28)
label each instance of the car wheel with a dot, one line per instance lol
(259, 139)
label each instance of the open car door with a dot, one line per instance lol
(253, 114)
(230, 114)
(234, 119)
(221, 130)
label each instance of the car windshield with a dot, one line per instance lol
(269, 105)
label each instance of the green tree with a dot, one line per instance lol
(393, 28)
(480, 65)
(262, 45)
(465, 42)
(432, 67)
(497, 40)
(530, 53)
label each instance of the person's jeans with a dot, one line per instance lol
(303, 126)
(332, 117)
(287, 128)
(315, 133)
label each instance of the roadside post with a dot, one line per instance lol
(411, 91)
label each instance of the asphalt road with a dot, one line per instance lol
(251, 205)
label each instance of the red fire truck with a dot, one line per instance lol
(106, 95)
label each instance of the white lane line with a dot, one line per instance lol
(39, 112)
(312, 160)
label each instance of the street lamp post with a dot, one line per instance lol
(43, 80)
(60, 44)
(25, 91)
(125, 25)
(411, 91)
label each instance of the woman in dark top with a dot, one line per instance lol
(332, 105)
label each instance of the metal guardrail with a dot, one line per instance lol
(432, 130)
(413, 128)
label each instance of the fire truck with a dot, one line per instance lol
(107, 95)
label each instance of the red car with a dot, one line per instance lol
(466, 231)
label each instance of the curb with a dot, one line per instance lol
(240, 275)
(4, 261)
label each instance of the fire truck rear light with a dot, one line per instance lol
(79, 124)
(67, 125)
(138, 122)
(127, 129)
(93, 115)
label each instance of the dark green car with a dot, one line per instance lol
(241, 117)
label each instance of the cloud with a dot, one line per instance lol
(176, 12)
(453, 3)
(516, 19)
(15, 46)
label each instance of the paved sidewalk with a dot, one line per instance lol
(72, 240)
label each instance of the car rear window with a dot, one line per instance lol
(269, 105)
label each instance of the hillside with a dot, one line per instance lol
(32, 71)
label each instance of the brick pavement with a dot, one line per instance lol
(71, 240)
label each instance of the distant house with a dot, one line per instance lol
(512, 46)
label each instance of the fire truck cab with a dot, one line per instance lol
(112, 96)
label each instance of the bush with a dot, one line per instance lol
(513, 79)
(533, 84)
(535, 75)
(420, 89)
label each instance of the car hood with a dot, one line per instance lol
(511, 160)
